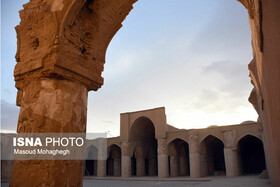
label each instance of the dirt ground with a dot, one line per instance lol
(246, 181)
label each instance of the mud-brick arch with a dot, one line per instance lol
(156, 116)
(90, 163)
(183, 135)
(251, 155)
(255, 130)
(114, 160)
(256, 135)
(212, 157)
(144, 147)
(265, 45)
(217, 134)
(136, 158)
(178, 157)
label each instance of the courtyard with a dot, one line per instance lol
(214, 181)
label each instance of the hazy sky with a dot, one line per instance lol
(190, 56)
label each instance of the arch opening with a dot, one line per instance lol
(178, 158)
(133, 165)
(251, 153)
(212, 158)
(90, 164)
(144, 157)
(114, 161)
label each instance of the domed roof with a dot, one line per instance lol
(212, 126)
(247, 122)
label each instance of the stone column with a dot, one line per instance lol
(183, 166)
(231, 161)
(102, 157)
(53, 106)
(126, 160)
(231, 155)
(55, 69)
(205, 165)
(117, 167)
(162, 158)
(174, 166)
(195, 169)
(140, 166)
(101, 168)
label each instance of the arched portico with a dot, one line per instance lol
(178, 158)
(144, 155)
(91, 164)
(151, 162)
(114, 161)
(212, 156)
(251, 154)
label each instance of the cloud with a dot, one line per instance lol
(225, 87)
(226, 32)
(207, 101)
(108, 122)
(226, 68)
(9, 116)
(180, 62)
(232, 77)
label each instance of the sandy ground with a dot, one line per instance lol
(246, 181)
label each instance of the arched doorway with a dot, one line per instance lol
(144, 158)
(151, 162)
(114, 161)
(133, 165)
(212, 156)
(178, 158)
(251, 152)
(90, 166)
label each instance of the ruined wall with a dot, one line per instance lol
(67, 39)
(60, 57)
(264, 69)
(50, 106)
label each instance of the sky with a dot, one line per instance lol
(190, 56)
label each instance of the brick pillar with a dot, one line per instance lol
(140, 166)
(53, 106)
(231, 156)
(60, 56)
(101, 168)
(195, 168)
(126, 160)
(174, 165)
(183, 166)
(231, 161)
(162, 158)
(117, 167)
